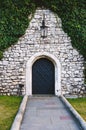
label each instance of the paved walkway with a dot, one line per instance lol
(48, 113)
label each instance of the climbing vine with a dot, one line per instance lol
(14, 20)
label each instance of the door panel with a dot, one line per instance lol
(43, 77)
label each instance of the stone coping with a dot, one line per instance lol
(18, 119)
(74, 112)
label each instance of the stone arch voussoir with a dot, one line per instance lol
(57, 65)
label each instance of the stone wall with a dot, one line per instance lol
(13, 65)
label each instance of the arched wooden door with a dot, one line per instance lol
(43, 77)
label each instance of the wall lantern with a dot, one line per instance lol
(44, 29)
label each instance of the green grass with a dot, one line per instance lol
(8, 108)
(80, 105)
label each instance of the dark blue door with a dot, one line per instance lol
(43, 77)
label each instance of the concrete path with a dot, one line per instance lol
(48, 113)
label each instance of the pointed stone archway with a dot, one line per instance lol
(57, 66)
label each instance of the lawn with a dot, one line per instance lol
(80, 105)
(8, 108)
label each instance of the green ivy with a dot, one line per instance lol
(1, 55)
(14, 20)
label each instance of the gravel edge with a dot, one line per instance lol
(18, 119)
(74, 112)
